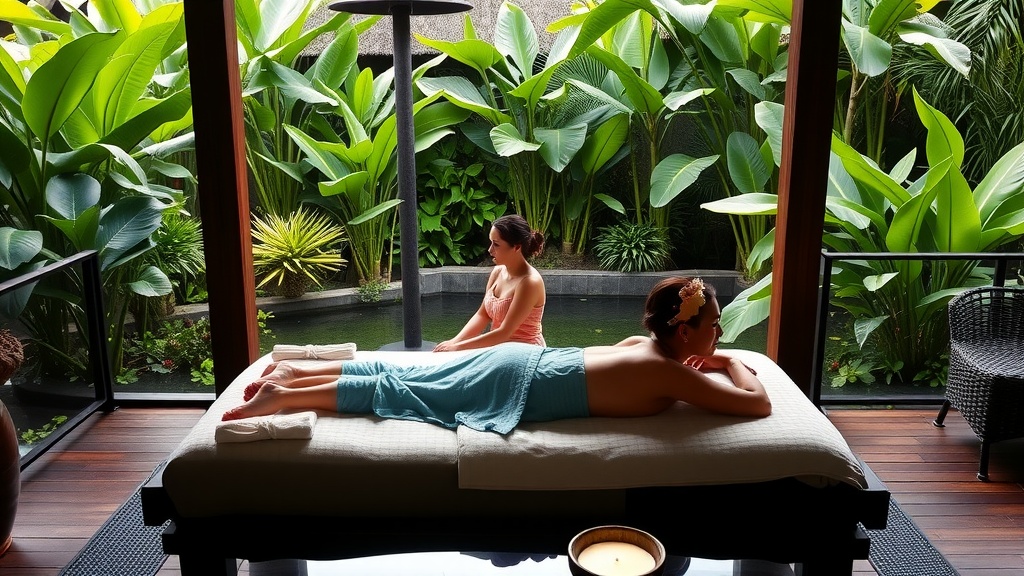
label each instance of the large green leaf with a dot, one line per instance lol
(674, 174)
(19, 14)
(641, 94)
(692, 16)
(477, 54)
(18, 246)
(870, 54)
(602, 19)
(69, 195)
(279, 20)
(515, 38)
(755, 204)
(778, 11)
(604, 143)
(722, 38)
(908, 221)
(762, 251)
(748, 309)
(1002, 189)
(746, 167)
(461, 92)
(336, 60)
(151, 282)
(122, 82)
(535, 88)
(560, 145)
(868, 175)
(57, 88)
(348, 184)
(118, 14)
(957, 222)
(317, 154)
(887, 14)
(863, 327)
(374, 212)
(768, 116)
(509, 142)
(944, 140)
(953, 53)
(128, 223)
(292, 49)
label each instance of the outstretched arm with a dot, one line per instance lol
(477, 322)
(745, 397)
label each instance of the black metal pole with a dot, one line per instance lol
(407, 217)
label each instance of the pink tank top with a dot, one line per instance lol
(529, 331)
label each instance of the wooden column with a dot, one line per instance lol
(223, 189)
(806, 137)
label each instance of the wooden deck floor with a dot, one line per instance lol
(68, 493)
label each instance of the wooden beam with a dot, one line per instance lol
(223, 190)
(803, 176)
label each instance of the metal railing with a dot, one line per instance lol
(99, 354)
(998, 278)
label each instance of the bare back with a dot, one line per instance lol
(637, 378)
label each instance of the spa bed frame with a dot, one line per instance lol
(785, 520)
(781, 521)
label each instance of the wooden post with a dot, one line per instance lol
(223, 190)
(803, 176)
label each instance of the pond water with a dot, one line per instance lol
(568, 321)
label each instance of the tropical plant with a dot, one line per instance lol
(178, 252)
(534, 112)
(272, 39)
(715, 78)
(988, 104)
(901, 304)
(871, 31)
(632, 247)
(73, 157)
(356, 168)
(459, 197)
(295, 250)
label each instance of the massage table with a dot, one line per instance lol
(785, 488)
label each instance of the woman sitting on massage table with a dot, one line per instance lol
(496, 388)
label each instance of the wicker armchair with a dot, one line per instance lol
(986, 365)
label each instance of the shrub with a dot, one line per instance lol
(631, 247)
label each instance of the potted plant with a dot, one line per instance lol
(295, 251)
(11, 357)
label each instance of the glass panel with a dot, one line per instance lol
(47, 328)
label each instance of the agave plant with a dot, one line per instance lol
(295, 250)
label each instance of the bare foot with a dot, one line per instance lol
(267, 400)
(252, 389)
(279, 372)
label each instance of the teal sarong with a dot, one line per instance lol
(485, 390)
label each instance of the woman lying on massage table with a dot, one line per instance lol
(496, 388)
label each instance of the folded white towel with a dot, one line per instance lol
(298, 426)
(346, 351)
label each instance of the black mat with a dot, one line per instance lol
(901, 549)
(122, 546)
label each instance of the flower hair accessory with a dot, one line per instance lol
(692, 298)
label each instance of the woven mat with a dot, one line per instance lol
(122, 546)
(901, 549)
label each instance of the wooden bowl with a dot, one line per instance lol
(625, 534)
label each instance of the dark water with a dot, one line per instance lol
(568, 321)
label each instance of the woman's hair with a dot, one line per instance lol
(514, 229)
(663, 302)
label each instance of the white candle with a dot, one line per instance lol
(616, 559)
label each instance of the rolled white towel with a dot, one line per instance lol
(346, 351)
(297, 426)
